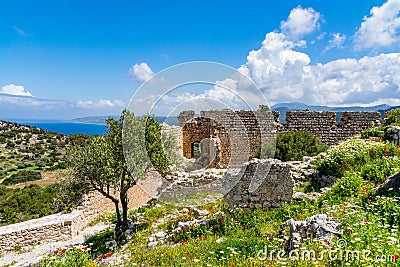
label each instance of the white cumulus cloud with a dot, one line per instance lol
(382, 28)
(101, 104)
(13, 89)
(301, 21)
(277, 67)
(336, 41)
(141, 72)
(284, 74)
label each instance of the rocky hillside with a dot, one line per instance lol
(27, 152)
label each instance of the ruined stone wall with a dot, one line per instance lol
(264, 183)
(352, 123)
(185, 116)
(320, 123)
(175, 131)
(242, 132)
(246, 131)
(323, 124)
(59, 227)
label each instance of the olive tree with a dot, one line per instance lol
(112, 163)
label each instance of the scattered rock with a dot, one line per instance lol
(199, 213)
(299, 196)
(319, 227)
(302, 171)
(392, 134)
(153, 244)
(326, 180)
(160, 235)
(391, 182)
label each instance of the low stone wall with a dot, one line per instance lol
(51, 228)
(60, 227)
(265, 183)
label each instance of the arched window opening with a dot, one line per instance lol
(196, 149)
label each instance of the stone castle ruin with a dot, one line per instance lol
(226, 138)
(230, 139)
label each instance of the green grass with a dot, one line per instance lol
(243, 237)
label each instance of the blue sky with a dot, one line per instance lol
(64, 59)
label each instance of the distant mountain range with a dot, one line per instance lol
(281, 107)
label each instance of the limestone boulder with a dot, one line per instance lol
(317, 227)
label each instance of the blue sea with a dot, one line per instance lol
(66, 127)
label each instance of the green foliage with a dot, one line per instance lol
(114, 162)
(383, 132)
(68, 257)
(263, 107)
(293, 145)
(10, 144)
(373, 132)
(30, 149)
(154, 145)
(95, 166)
(100, 240)
(394, 118)
(31, 202)
(70, 193)
(267, 150)
(22, 176)
(344, 188)
(372, 160)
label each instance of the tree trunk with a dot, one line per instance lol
(124, 204)
(117, 210)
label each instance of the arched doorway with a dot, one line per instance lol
(196, 149)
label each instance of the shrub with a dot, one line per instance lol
(77, 256)
(21, 165)
(22, 176)
(372, 160)
(394, 118)
(343, 189)
(267, 150)
(383, 132)
(373, 132)
(293, 145)
(31, 202)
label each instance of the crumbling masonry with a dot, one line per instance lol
(230, 138)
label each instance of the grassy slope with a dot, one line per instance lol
(370, 220)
